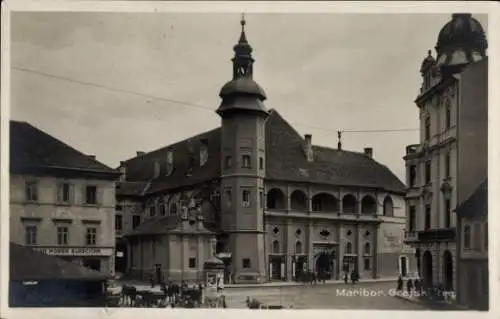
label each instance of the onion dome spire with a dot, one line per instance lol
(242, 61)
(461, 41)
(242, 93)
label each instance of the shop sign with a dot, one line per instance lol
(75, 251)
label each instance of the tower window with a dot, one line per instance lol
(228, 162)
(261, 163)
(246, 262)
(192, 262)
(246, 198)
(246, 161)
(228, 195)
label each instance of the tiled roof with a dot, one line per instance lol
(477, 204)
(27, 264)
(130, 188)
(30, 147)
(156, 225)
(285, 161)
(141, 168)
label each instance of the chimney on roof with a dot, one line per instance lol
(308, 151)
(156, 173)
(140, 153)
(123, 171)
(92, 157)
(368, 152)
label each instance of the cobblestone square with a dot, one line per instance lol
(377, 295)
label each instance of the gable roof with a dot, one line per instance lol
(32, 148)
(285, 161)
(163, 225)
(477, 204)
(27, 264)
(155, 225)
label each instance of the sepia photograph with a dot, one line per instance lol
(247, 160)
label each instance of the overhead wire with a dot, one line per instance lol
(189, 104)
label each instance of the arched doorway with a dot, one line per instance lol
(403, 266)
(448, 270)
(323, 266)
(427, 271)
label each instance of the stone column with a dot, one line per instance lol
(289, 249)
(375, 252)
(310, 252)
(359, 249)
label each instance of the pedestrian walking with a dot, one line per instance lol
(409, 286)
(346, 277)
(400, 283)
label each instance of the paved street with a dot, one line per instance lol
(328, 296)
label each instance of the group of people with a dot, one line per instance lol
(411, 285)
(354, 276)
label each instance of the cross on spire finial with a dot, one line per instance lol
(243, 22)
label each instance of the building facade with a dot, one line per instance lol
(438, 174)
(62, 202)
(273, 204)
(473, 278)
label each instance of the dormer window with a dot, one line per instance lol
(170, 163)
(203, 152)
(245, 161)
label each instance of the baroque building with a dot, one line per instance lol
(62, 202)
(261, 197)
(447, 165)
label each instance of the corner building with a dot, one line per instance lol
(62, 202)
(272, 204)
(447, 165)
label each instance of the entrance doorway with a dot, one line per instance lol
(276, 267)
(403, 266)
(324, 267)
(448, 270)
(300, 266)
(92, 263)
(427, 271)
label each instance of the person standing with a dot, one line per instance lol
(400, 284)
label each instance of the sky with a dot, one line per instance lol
(111, 84)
